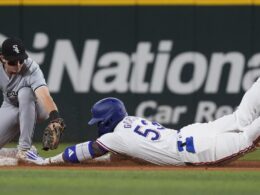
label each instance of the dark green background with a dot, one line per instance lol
(192, 28)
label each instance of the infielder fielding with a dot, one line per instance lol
(26, 100)
(212, 143)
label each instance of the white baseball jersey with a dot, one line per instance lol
(140, 138)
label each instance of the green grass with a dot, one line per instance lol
(47, 182)
(252, 156)
(43, 181)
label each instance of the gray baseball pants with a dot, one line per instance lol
(21, 120)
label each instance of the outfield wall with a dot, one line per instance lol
(176, 62)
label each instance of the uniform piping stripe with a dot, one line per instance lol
(39, 86)
(257, 140)
(105, 147)
(90, 149)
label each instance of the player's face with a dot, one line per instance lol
(13, 67)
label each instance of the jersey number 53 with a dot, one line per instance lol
(154, 132)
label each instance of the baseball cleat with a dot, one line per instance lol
(22, 154)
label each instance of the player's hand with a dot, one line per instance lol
(52, 134)
(35, 158)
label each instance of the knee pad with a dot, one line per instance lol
(79, 152)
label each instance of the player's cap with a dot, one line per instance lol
(107, 113)
(94, 121)
(13, 49)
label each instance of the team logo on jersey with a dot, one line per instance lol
(71, 152)
(15, 49)
(12, 94)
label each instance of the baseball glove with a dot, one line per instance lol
(52, 134)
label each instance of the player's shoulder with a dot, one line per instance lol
(31, 65)
(129, 121)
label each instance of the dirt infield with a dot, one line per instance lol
(129, 165)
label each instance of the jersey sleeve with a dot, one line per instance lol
(37, 79)
(112, 142)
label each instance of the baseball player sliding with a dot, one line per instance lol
(212, 143)
(26, 101)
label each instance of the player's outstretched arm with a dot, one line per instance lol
(52, 133)
(43, 95)
(72, 154)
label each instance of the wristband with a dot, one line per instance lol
(54, 115)
(79, 153)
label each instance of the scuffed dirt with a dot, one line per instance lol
(130, 165)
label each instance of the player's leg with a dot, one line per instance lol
(249, 108)
(226, 123)
(9, 127)
(27, 117)
(246, 113)
(230, 146)
(252, 131)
